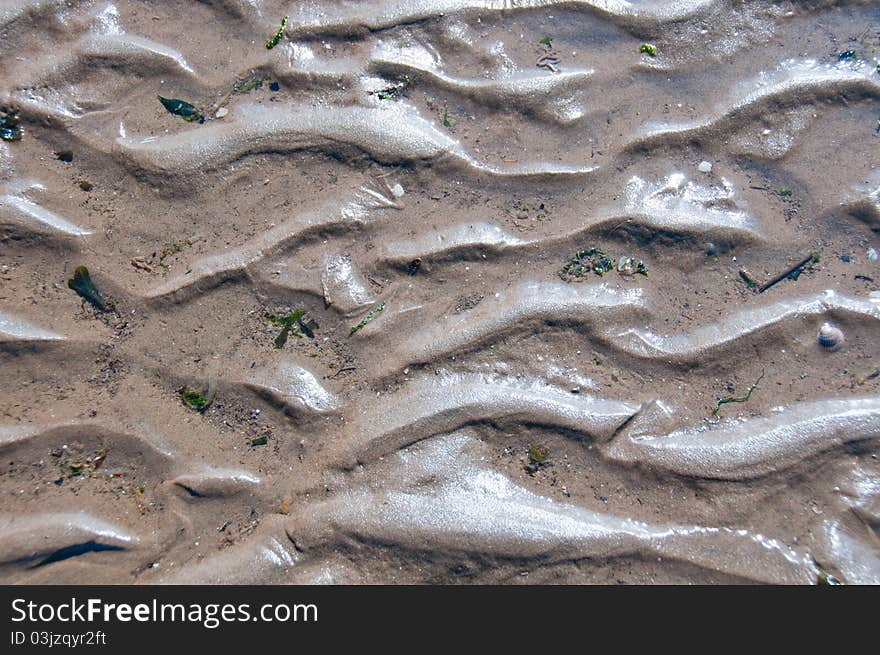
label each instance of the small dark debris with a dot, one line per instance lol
(274, 87)
(64, 155)
(82, 283)
(259, 441)
(413, 267)
(10, 130)
(86, 186)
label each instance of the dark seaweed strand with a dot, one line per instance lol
(740, 399)
(275, 40)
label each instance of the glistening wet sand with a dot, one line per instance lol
(423, 171)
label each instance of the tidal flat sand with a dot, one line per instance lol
(445, 291)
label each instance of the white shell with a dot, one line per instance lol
(831, 337)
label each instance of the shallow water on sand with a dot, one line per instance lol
(455, 405)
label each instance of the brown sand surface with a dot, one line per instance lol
(423, 171)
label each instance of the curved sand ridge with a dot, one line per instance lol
(414, 177)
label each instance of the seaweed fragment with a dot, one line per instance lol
(648, 49)
(82, 284)
(369, 317)
(538, 457)
(546, 40)
(288, 322)
(747, 278)
(275, 40)
(259, 441)
(181, 108)
(10, 130)
(584, 261)
(737, 399)
(248, 84)
(446, 122)
(846, 54)
(393, 90)
(194, 400)
(631, 266)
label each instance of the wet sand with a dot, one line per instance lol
(454, 405)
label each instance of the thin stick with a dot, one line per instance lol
(813, 257)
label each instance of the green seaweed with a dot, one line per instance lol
(546, 40)
(182, 108)
(10, 130)
(249, 84)
(786, 193)
(81, 282)
(288, 322)
(369, 317)
(538, 455)
(275, 40)
(648, 49)
(737, 399)
(194, 400)
(446, 121)
(584, 261)
(259, 441)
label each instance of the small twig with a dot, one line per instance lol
(740, 399)
(343, 370)
(796, 269)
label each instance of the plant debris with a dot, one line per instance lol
(275, 40)
(846, 54)
(249, 84)
(393, 90)
(259, 441)
(10, 130)
(446, 121)
(631, 266)
(649, 49)
(181, 108)
(792, 273)
(288, 322)
(194, 400)
(538, 457)
(748, 279)
(81, 282)
(369, 317)
(584, 261)
(737, 399)
(75, 467)
(546, 40)
(785, 193)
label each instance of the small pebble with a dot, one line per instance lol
(221, 112)
(704, 167)
(872, 255)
